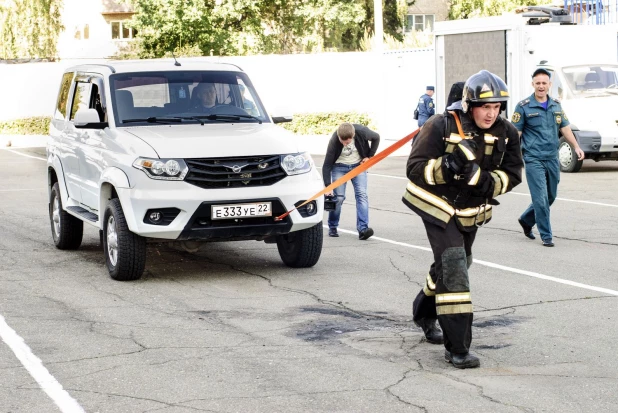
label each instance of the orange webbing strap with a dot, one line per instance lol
(459, 128)
(356, 171)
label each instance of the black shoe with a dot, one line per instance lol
(332, 232)
(365, 234)
(462, 361)
(432, 331)
(527, 229)
(548, 243)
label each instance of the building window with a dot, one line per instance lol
(120, 31)
(82, 32)
(419, 22)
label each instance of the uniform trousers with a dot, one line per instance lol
(543, 177)
(446, 294)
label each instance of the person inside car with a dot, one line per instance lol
(205, 97)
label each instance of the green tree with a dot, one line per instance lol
(29, 28)
(241, 27)
(465, 9)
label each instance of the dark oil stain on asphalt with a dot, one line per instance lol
(341, 321)
(500, 321)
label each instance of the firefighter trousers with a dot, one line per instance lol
(446, 294)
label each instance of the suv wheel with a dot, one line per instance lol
(568, 157)
(67, 230)
(125, 252)
(301, 249)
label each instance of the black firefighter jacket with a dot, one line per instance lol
(436, 201)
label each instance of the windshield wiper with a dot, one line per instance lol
(153, 119)
(228, 117)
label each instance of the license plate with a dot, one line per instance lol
(258, 209)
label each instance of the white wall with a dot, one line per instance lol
(387, 86)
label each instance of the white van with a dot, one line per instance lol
(589, 96)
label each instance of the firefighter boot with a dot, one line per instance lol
(432, 331)
(462, 361)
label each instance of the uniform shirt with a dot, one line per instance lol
(539, 127)
(426, 107)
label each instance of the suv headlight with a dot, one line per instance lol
(164, 169)
(296, 163)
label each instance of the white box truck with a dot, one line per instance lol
(582, 59)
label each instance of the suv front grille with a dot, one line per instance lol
(234, 172)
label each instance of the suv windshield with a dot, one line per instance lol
(148, 98)
(586, 81)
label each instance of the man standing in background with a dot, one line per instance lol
(540, 120)
(426, 108)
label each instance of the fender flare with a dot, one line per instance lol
(111, 179)
(54, 163)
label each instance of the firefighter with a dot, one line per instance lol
(462, 160)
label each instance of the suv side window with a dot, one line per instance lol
(63, 96)
(81, 98)
(88, 96)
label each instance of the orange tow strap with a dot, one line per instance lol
(354, 172)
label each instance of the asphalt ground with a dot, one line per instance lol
(231, 329)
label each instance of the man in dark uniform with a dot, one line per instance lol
(425, 107)
(461, 162)
(540, 120)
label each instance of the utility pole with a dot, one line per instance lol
(378, 21)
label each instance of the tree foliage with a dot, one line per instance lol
(244, 27)
(29, 28)
(466, 9)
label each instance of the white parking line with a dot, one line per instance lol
(516, 193)
(17, 190)
(27, 156)
(35, 367)
(498, 266)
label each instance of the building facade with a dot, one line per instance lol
(94, 29)
(423, 14)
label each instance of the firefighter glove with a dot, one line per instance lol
(458, 163)
(485, 186)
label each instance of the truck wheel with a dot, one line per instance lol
(301, 249)
(568, 157)
(125, 252)
(67, 230)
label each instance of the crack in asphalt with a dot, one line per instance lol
(410, 280)
(546, 302)
(389, 391)
(167, 404)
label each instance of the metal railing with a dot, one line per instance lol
(594, 12)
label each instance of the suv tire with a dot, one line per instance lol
(301, 249)
(568, 157)
(125, 252)
(67, 230)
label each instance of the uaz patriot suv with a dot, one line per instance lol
(162, 150)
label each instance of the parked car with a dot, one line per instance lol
(161, 150)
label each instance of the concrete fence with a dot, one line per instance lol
(385, 85)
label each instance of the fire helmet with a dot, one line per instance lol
(484, 87)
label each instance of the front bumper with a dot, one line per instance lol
(193, 220)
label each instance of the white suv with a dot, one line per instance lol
(168, 151)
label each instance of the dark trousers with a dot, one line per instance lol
(446, 294)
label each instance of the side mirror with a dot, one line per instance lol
(88, 119)
(282, 119)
